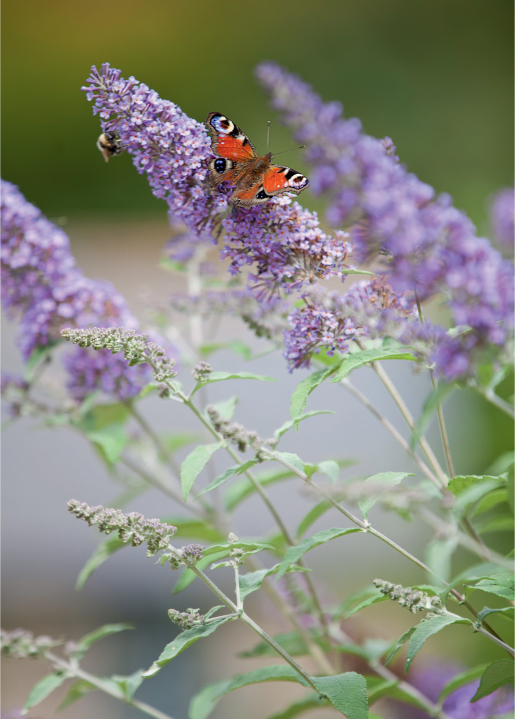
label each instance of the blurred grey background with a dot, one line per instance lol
(437, 78)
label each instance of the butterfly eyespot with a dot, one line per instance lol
(298, 181)
(220, 164)
(261, 195)
(222, 124)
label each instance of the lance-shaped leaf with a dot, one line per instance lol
(194, 464)
(296, 552)
(222, 376)
(375, 599)
(196, 528)
(506, 612)
(495, 676)
(205, 701)
(99, 556)
(358, 359)
(252, 581)
(426, 629)
(128, 684)
(104, 425)
(182, 642)
(226, 407)
(291, 422)
(246, 546)
(469, 488)
(300, 396)
(45, 687)
(383, 479)
(312, 516)
(460, 680)
(500, 584)
(76, 692)
(238, 469)
(347, 692)
(106, 630)
(293, 459)
(398, 644)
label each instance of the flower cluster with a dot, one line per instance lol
(331, 320)
(188, 555)
(132, 527)
(502, 209)
(412, 599)
(188, 619)
(431, 246)
(21, 644)
(280, 237)
(202, 372)
(136, 349)
(42, 285)
(236, 433)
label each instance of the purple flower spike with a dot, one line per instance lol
(282, 239)
(42, 285)
(502, 208)
(430, 245)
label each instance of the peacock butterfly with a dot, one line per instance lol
(255, 178)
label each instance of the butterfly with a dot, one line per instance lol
(255, 178)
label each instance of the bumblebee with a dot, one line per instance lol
(109, 144)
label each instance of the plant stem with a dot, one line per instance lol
(247, 620)
(494, 398)
(99, 684)
(390, 428)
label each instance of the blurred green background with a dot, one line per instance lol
(435, 76)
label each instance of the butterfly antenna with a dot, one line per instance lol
(268, 137)
(301, 147)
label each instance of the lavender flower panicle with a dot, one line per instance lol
(281, 238)
(502, 208)
(42, 285)
(431, 246)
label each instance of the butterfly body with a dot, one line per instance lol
(256, 178)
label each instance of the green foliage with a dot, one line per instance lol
(88, 640)
(231, 472)
(194, 464)
(182, 642)
(75, 692)
(291, 642)
(347, 692)
(495, 676)
(104, 425)
(460, 680)
(297, 551)
(99, 556)
(244, 488)
(44, 688)
(222, 376)
(300, 396)
(386, 479)
(312, 516)
(295, 422)
(426, 629)
(363, 357)
(500, 584)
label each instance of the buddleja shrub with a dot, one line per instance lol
(420, 246)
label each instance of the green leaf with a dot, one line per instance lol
(507, 612)
(129, 684)
(182, 642)
(196, 528)
(240, 490)
(300, 396)
(252, 581)
(371, 650)
(392, 690)
(43, 688)
(246, 546)
(76, 692)
(203, 703)
(496, 675)
(104, 425)
(439, 556)
(194, 464)
(99, 556)
(383, 479)
(400, 643)
(347, 692)
(460, 680)
(295, 553)
(349, 271)
(227, 407)
(379, 688)
(376, 599)
(239, 469)
(292, 459)
(312, 516)
(490, 500)
(429, 408)
(106, 630)
(426, 629)
(39, 355)
(495, 524)
(469, 488)
(188, 576)
(500, 584)
(291, 422)
(331, 469)
(222, 376)
(358, 359)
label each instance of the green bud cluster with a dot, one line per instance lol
(413, 599)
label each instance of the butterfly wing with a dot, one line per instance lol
(279, 179)
(233, 147)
